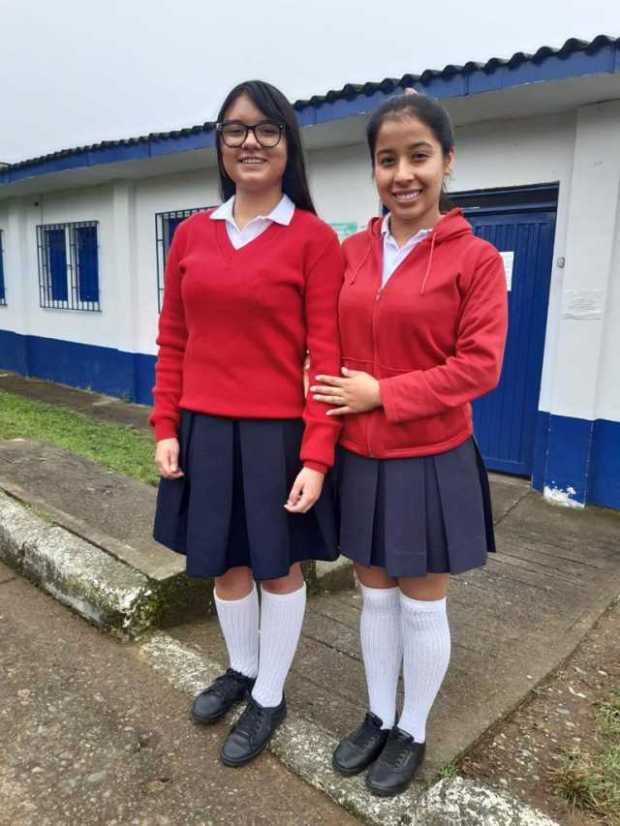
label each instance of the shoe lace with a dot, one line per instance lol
(366, 732)
(223, 684)
(251, 719)
(396, 749)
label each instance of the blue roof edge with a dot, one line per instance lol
(574, 59)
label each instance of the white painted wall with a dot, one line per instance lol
(576, 149)
(165, 194)
(586, 380)
(24, 313)
(4, 223)
(608, 384)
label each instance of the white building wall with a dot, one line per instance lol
(168, 193)
(341, 183)
(578, 150)
(25, 315)
(4, 224)
(587, 385)
(608, 384)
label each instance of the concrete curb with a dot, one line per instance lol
(306, 750)
(459, 802)
(78, 574)
(334, 576)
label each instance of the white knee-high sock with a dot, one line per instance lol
(426, 643)
(382, 649)
(239, 623)
(281, 619)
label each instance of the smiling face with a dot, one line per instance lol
(409, 168)
(253, 168)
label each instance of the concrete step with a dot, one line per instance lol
(83, 534)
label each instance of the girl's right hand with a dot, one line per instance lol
(167, 459)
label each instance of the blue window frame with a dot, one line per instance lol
(87, 263)
(56, 255)
(166, 224)
(68, 256)
(2, 286)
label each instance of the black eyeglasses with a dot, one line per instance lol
(234, 133)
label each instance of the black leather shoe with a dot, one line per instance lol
(251, 733)
(397, 764)
(221, 696)
(360, 748)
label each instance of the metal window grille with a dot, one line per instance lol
(2, 287)
(165, 227)
(68, 257)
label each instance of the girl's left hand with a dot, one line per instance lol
(356, 392)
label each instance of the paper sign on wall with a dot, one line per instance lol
(583, 304)
(344, 228)
(508, 258)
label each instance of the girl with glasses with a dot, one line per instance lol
(251, 287)
(422, 326)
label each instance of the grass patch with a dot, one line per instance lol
(608, 716)
(118, 447)
(592, 783)
(448, 771)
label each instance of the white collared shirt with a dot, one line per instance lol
(393, 255)
(282, 213)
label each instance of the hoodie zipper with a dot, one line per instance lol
(432, 238)
(372, 417)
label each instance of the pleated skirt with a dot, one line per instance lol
(228, 508)
(427, 514)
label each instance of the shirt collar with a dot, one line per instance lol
(282, 213)
(387, 233)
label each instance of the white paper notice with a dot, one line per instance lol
(508, 258)
(583, 304)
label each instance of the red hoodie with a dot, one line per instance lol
(433, 335)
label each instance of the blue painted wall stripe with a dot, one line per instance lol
(102, 369)
(604, 482)
(579, 454)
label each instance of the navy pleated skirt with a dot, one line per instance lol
(228, 508)
(426, 514)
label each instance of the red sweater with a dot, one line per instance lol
(433, 336)
(235, 326)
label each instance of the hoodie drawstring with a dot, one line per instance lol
(428, 266)
(361, 264)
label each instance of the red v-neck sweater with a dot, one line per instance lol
(235, 326)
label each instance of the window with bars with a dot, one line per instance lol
(165, 227)
(68, 256)
(2, 286)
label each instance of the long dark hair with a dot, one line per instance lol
(274, 105)
(427, 110)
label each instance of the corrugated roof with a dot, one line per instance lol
(389, 85)
(451, 81)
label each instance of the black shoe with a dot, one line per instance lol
(251, 733)
(395, 768)
(221, 696)
(360, 748)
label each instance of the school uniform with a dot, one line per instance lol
(428, 320)
(240, 309)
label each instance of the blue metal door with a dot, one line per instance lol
(505, 419)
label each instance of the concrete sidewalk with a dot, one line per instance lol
(513, 622)
(91, 735)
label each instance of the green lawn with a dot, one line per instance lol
(118, 447)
